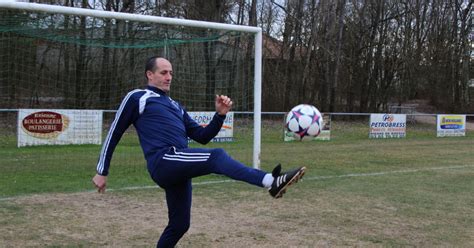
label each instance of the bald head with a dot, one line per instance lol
(153, 63)
(162, 61)
(159, 73)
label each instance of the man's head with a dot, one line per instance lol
(159, 73)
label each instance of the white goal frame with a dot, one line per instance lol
(34, 7)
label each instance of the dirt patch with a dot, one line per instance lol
(246, 218)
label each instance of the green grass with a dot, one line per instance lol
(416, 191)
(44, 169)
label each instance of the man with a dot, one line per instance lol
(163, 128)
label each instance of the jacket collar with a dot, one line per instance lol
(156, 90)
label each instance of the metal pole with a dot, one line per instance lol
(257, 102)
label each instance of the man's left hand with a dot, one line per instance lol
(223, 104)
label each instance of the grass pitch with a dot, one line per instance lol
(417, 191)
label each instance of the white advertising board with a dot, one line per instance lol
(451, 125)
(59, 127)
(383, 126)
(226, 134)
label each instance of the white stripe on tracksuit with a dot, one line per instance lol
(187, 156)
(105, 147)
(195, 153)
(185, 160)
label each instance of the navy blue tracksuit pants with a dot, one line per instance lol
(174, 172)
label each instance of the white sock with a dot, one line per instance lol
(267, 180)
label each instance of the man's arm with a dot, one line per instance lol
(125, 116)
(205, 134)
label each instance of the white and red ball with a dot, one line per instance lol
(304, 120)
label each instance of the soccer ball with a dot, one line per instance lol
(304, 120)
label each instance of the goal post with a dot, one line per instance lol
(177, 24)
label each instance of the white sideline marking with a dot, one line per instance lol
(157, 187)
(390, 172)
(232, 181)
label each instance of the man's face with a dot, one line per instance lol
(161, 77)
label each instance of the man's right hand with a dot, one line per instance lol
(100, 182)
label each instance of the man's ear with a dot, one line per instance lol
(149, 74)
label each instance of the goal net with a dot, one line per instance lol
(54, 57)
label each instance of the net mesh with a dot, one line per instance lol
(78, 62)
(57, 61)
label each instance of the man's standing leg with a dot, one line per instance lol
(178, 198)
